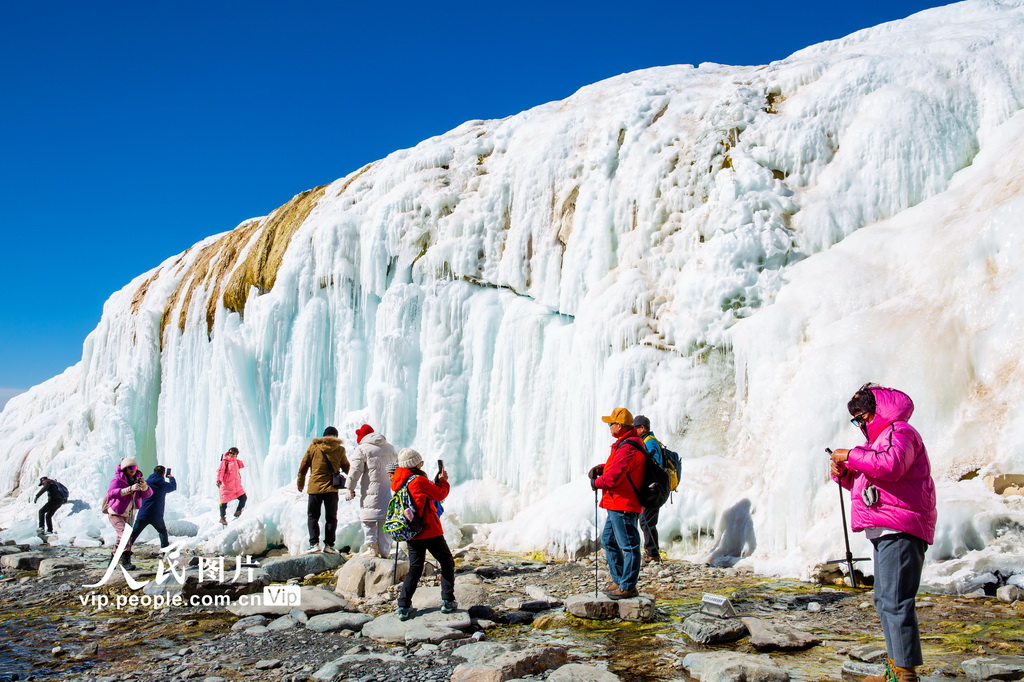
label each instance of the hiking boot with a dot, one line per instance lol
(404, 613)
(223, 521)
(888, 675)
(448, 605)
(611, 586)
(238, 512)
(652, 559)
(126, 561)
(314, 548)
(370, 550)
(619, 593)
(329, 549)
(905, 674)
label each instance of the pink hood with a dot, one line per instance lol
(895, 461)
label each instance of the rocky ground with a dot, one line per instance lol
(47, 632)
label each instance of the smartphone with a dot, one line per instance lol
(440, 465)
(828, 451)
(168, 472)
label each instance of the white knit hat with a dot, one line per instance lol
(128, 462)
(409, 458)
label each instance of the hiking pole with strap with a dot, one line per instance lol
(846, 536)
(596, 545)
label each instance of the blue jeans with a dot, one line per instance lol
(621, 540)
(899, 559)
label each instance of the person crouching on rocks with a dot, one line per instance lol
(621, 538)
(893, 502)
(126, 492)
(229, 481)
(431, 539)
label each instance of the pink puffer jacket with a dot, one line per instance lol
(895, 461)
(229, 476)
(121, 497)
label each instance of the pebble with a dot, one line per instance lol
(864, 605)
(814, 607)
(268, 664)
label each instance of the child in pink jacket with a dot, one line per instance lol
(229, 480)
(893, 502)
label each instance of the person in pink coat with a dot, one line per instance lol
(893, 502)
(229, 481)
(125, 494)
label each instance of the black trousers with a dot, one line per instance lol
(330, 505)
(649, 527)
(418, 549)
(158, 524)
(241, 505)
(46, 514)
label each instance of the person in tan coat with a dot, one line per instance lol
(369, 475)
(324, 458)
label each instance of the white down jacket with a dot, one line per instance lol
(368, 474)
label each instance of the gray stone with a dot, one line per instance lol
(248, 622)
(367, 576)
(577, 672)
(731, 666)
(480, 652)
(330, 622)
(23, 561)
(511, 665)
(52, 566)
(299, 616)
(862, 669)
(765, 636)
(995, 667)
(312, 600)
(257, 630)
(814, 607)
(465, 594)
(638, 609)
(90, 650)
(282, 623)
(539, 593)
(1009, 593)
(432, 627)
(593, 607)
(268, 664)
(333, 669)
(431, 633)
(706, 629)
(868, 653)
(9, 549)
(285, 567)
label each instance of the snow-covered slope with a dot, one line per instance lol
(731, 251)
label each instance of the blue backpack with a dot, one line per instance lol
(402, 523)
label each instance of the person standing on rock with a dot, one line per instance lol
(324, 458)
(229, 480)
(893, 502)
(152, 512)
(618, 479)
(649, 517)
(368, 472)
(125, 494)
(431, 539)
(56, 495)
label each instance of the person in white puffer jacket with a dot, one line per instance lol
(368, 473)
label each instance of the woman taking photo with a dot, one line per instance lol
(893, 502)
(125, 494)
(229, 480)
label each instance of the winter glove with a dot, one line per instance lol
(595, 472)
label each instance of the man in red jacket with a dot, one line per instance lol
(618, 479)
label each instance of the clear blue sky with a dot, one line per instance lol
(129, 131)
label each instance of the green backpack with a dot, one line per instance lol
(402, 523)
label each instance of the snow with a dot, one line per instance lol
(731, 251)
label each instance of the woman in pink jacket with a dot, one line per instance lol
(125, 494)
(229, 480)
(893, 502)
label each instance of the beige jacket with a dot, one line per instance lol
(315, 461)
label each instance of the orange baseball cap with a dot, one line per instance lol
(620, 415)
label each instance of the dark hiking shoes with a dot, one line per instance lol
(126, 561)
(619, 593)
(448, 606)
(404, 613)
(223, 521)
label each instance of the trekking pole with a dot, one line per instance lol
(846, 536)
(596, 581)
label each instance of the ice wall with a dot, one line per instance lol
(729, 250)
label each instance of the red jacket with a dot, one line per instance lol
(424, 493)
(626, 458)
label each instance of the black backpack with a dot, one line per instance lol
(62, 489)
(654, 488)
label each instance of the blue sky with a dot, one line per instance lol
(130, 131)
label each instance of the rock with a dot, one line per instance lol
(52, 566)
(299, 616)
(248, 622)
(591, 606)
(23, 561)
(731, 666)
(517, 618)
(88, 651)
(57, 651)
(333, 669)
(312, 600)
(814, 607)
(268, 664)
(511, 665)
(480, 652)
(182, 529)
(466, 595)
(765, 636)
(233, 589)
(539, 593)
(367, 576)
(283, 623)
(706, 629)
(869, 653)
(330, 622)
(638, 609)
(995, 668)
(9, 549)
(577, 672)
(256, 630)
(283, 568)
(431, 633)
(1009, 593)
(433, 627)
(861, 669)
